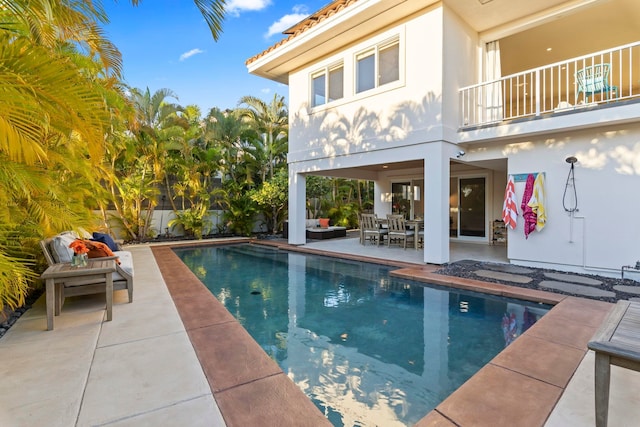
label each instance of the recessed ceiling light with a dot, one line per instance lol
(549, 49)
(484, 1)
(385, 166)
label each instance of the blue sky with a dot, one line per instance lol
(167, 44)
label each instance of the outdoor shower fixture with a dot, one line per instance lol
(571, 182)
(570, 201)
(460, 153)
(571, 160)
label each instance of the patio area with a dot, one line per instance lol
(458, 251)
(143, 367)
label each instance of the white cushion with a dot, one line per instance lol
(84, 234)
(60, 249)
(126, 261)
(312, 223)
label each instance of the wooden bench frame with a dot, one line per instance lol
(617, 342)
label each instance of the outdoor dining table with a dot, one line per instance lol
(415, 224)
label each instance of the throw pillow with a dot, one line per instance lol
(98, 249)
(106, 239)
(60, 247)
(324, 222)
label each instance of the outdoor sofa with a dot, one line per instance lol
(319, 228)
(56, 250)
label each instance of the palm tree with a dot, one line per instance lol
(270, 123)
(225, 131)
(56, 107)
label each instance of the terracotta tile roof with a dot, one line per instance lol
(309, 22)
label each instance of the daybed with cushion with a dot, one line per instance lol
(320, 229)
(56, 250)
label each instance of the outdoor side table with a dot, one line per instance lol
(62, 275)
(617, 342)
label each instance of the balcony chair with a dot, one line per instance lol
(398, 230)
(370, 229)
(594, 80)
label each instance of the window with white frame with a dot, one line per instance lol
(327, 85)
(378, 66)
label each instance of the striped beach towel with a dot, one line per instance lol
(510, 206)
(528, 214)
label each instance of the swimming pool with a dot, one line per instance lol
(367, 348)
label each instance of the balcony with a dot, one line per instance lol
(608, 77)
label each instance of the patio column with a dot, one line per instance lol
(297, 208)
(436, 202)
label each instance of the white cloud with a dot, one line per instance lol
(265, 90)
(299, 12)
(189, 54)
(235, 7)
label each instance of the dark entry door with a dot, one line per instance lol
(472, 196)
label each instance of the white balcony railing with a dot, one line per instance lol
(608, 76)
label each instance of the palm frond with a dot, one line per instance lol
(213, 13)
(43, 95)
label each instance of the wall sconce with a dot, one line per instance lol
(385, 197)
(460, 153)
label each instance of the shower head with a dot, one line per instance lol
(571, 160)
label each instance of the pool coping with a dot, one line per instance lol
(521, 384)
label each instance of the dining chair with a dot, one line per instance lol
(370, 229)
(398, 230)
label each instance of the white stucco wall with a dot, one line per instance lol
(460, 69)
(603, 235)
(399, 113)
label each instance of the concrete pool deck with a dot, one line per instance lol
(175, 356)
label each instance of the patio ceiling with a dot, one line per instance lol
(369, 171)
(601, 26)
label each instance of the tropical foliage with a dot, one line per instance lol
(273, 197)
(61, 95)
(75, 140)
(339, 199)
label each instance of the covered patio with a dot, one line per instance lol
(458, 251)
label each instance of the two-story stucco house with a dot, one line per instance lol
(441, 103)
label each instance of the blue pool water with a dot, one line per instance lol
(367, 348)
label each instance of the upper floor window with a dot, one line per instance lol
(378, 66)
(327, 85)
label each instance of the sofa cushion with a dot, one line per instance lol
(106, 239)
(126, 261)
(312, 223)
(60, 249)
(83, 234)
(324, 222)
